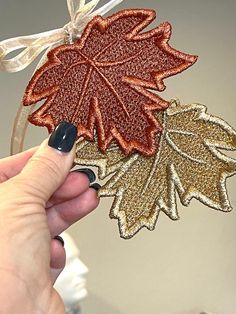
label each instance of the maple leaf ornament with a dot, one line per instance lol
(189, 162)
(102, 82)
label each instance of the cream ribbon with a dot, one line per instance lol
(81, 13)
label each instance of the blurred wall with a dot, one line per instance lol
(182, 267)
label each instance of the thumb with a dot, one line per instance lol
(49, 166)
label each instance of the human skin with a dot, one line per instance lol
(39, 199)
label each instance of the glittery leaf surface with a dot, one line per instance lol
(103, 81)
(190, 162)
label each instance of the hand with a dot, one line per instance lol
(39, 198)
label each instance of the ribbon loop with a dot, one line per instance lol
(33, 44)
(72, 7)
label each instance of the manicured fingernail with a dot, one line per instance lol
(95, 186)
(58, 238)
(89, 173)
(63, 137)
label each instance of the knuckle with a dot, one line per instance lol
(26, 192)
(3, 177)
(49, 166)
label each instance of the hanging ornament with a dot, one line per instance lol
(105, 76)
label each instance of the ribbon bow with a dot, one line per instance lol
(80, 12)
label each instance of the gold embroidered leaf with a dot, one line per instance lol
(189, 162)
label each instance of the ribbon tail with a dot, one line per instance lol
(21, 120)
(20, 128)
(81, 3)
(107, 7)
(85, 11)
(74, 6)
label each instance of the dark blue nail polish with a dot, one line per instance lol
(95, 186)
(63, 137)
(58, 238)
(88, 172)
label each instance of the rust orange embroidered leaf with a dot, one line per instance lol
(103, 81)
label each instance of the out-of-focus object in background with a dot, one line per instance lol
(71, 284)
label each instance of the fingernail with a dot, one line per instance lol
(95, 186)
(63, 137)
(58, 238)
(89, 173)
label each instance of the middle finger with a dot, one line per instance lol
(76, 183)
